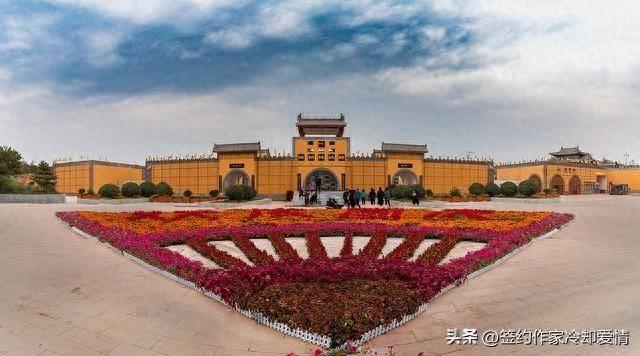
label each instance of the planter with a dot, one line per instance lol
(113, 201)
(526, 200)
(32, 198)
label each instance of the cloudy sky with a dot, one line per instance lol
(124, 79)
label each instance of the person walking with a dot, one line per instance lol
(387, 197)
(415, 199)
(358, 197)
(372, 197)
(352, 198)
(380, 196)
(345, 197)
(363, 197)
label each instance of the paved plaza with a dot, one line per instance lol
(62, 294)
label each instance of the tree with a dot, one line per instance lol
(528, 187)
(476, 189)
(10, 161)
(508, 189)
(44, 178)
(492, 189)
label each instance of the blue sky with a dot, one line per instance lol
(128, 78)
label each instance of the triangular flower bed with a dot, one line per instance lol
(354, 296)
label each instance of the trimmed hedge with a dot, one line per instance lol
(164, 190)
(405, 191)
(109, 191)
(528, 187)
(476, 189)
(508, 189)
(187, 193)
(130, 189)
(240, 192)
(148, 189)
(455, 192)
(214, 193)
(492, 189)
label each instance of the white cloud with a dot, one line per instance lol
(102, 47)
(233, 39)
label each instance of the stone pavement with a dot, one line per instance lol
(62, 294)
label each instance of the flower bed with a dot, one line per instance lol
(340, 297)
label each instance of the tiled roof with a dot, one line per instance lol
(403, 147)
(237, 147)
(321, 122)
(568, 151)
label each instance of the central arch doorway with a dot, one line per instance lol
(235, 177)
(557, 184)
(321, 179)
(404, 177)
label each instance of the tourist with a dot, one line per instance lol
(363, 197)
(372, 197)
(345, 198)
(314, 198)
(387, 197)
(380, 196)
(415, 199)
(352, 198)
(306, 198)
(358, 197)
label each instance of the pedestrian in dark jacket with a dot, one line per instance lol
(345, 198)
(415, 199)
(352, 198)
(372, 197)
(363, 197)
(380, 196)
(387, 197)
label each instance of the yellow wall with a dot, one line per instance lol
(92, 175)
(103, 174)
(198, 176)
(275, 176)
(366, 174)
(442, 176)
(71, 177)
(588, 175)
(520, 173)
(629, 176)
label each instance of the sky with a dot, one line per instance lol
(510, 80)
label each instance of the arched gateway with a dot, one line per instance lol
(404, 177)
(235, 177)
(321, 178)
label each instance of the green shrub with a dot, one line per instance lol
(109, 191)
(164, 190)
(476, 189)
(10, 186)
(187, 193)
(148, 189)
(492, 189)
(81, 191)
(130, 189)
(214, 193)
(240, 192)
(405, 191)
(508, 189)
(428, 193)
(528, 187)
(455, 192)
(547, 191)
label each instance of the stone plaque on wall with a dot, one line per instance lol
(405, 165)
(236, 165)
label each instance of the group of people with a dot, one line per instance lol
(310, 197)
(357, 197)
